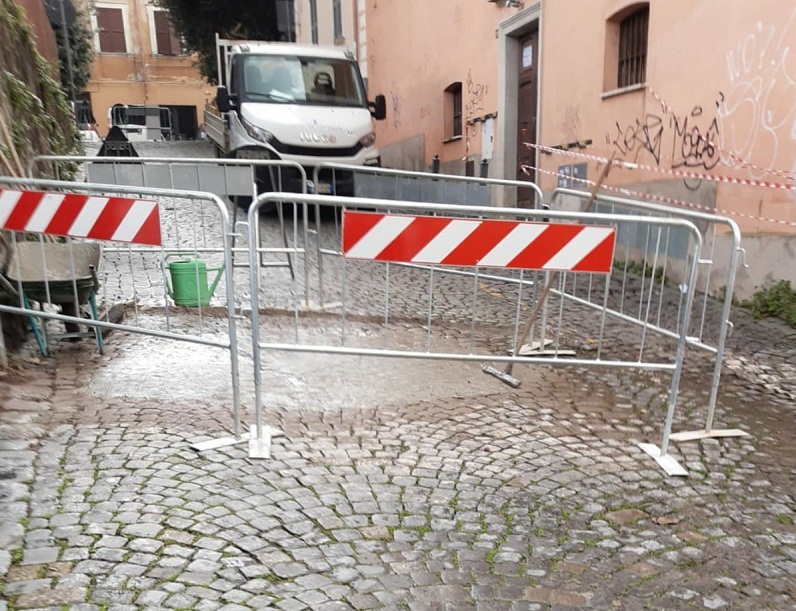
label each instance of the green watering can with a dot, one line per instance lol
(188, 285)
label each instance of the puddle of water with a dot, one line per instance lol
(150, 369)
(157, 370)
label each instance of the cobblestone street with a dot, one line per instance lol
(399, 484)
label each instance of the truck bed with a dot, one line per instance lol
(216, 128)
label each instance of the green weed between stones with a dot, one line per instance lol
(776, 300)
(490, 559)
(642, 269)
(783, 519)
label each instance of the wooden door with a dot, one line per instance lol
(527, 105)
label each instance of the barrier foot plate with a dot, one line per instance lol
(221, 442)
(261, 447)
(713, 433)
(666, 462)
(526, 349)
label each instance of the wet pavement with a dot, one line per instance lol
(399, 484)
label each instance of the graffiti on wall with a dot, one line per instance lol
(397, 104)
(473, 105)
(688, 140)
(758, 113)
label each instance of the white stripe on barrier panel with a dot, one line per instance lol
(88, 216)
(44, 213)
(445, 241)
(379, 237)
(580, 246)
(8, 200)
(135, 217)
(513, 244)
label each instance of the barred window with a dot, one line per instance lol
(453, 110)
(633, 48)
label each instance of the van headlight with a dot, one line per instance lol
(257, 133)
(368, 141)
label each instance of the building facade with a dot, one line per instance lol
(706, 89)
(139, 60)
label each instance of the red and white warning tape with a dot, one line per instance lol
(661, 198)
(629, 165)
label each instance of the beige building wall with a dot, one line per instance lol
(415, 50)
(141, 75)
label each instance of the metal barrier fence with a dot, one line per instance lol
(404, 185)
(372, 182)
(652, 268)
(230, 179)
(371, 312)
(76, 282)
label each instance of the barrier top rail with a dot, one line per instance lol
(132, 190)
(365, 169)
(389, 205)
(180, 160)
(643, 205)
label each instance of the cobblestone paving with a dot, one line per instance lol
(485, 498)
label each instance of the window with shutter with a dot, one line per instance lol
(110, 22)
(167, 42)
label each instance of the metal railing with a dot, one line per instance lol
(135, 277)
(386, 296)
(653, 274)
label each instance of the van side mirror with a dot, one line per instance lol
(224, 101)
(379, 108)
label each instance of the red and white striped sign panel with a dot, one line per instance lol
(472, 242)
(117, 219)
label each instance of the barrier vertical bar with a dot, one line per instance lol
(660, 454)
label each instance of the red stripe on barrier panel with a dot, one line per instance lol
(67, 213)
(150, 230)
(25, 207)
(110, 218)
(601, 258)
(546, 246)
(475, 246)
(412, 240)
(356, 225)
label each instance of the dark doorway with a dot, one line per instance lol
(184, 122)
(527, 106)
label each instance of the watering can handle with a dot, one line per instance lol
(213, 284)
(169, 289)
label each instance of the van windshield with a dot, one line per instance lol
(302, 80)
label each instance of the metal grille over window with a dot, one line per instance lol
(633, 48)
(453, 110)
(337, 12)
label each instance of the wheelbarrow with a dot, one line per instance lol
(60, 274)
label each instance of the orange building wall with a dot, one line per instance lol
(727, 74)
(416, 49)
(141, 77)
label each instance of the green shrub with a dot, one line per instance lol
(777, 300)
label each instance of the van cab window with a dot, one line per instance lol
(302, 80)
